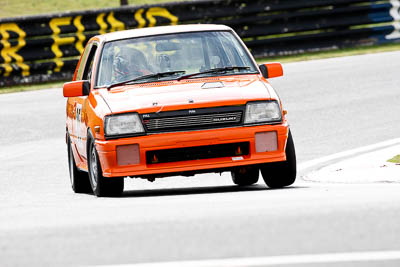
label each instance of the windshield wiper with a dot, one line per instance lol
(216, 70)
(148, 76)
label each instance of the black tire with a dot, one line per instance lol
(280, 174)
(243, 176)
(101, 186)
(79, 179)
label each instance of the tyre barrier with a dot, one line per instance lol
(47, 47)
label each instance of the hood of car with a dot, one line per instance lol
(186, 94)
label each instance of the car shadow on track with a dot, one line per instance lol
(199, 190)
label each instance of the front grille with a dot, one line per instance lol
(198, 152)
(193, 119)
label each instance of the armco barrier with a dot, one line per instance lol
(46, 48)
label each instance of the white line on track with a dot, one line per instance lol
(348, 153)
(364, 256)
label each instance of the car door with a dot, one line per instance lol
(79, 124)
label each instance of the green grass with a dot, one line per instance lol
(14, 8)
(395, 159)
(334, 53)
(21, 88)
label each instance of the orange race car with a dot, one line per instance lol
(174, 100)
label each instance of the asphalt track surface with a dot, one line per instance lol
(334, 105)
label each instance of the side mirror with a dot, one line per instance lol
(76, 88)
(271, 70)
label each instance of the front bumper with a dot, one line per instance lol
(108, 153)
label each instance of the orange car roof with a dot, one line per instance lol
(160, 30)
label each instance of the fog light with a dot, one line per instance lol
(266, 141)
(128, 155)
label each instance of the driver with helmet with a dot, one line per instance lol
(129, 64)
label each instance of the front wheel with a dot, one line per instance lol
(280, 174)
(243, 176)
(79, 179)
(102, 186)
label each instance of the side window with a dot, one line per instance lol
(87, 74)
(83, 61)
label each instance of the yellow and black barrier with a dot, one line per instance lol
(47, 47)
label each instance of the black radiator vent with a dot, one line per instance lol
(197, 152)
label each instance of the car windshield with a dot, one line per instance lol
(172, 56)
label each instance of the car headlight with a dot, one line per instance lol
(268, 111)
(122, 124)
